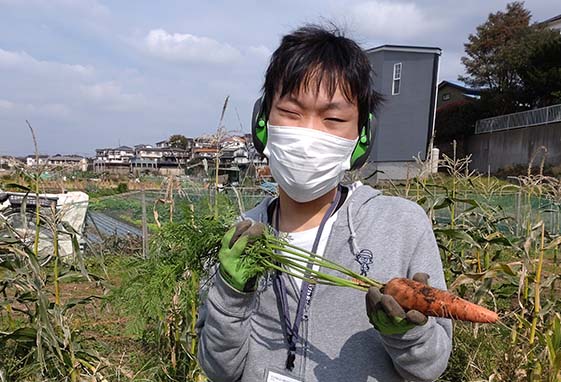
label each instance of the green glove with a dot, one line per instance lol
(231, 252)
(387, 316)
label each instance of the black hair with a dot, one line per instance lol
(314, 55)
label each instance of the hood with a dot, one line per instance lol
(354, 212)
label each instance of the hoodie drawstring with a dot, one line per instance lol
(352, 239)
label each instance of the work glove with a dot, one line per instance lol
(387, 316)
(234, 243)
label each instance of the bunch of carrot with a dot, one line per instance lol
(271, 252)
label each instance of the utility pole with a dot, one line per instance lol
(144, 226)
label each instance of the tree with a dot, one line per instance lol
(517, 65)
(541, 75)
(178, 141)
(493, 55)
(455, 122)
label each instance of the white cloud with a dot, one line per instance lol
(260, 51)
(38, 88)
(24, 110)
(6, 105)
(21, 61)
(85, 7)
(381, 19)
(110, 96)
(189, 48)
(57, 110)
(451, 65)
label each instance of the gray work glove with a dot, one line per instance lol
(387, 316)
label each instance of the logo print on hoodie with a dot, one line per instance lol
(364, 258)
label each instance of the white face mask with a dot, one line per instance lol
(307, 163)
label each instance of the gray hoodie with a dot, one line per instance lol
(241, 334)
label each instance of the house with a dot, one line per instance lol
(449, 92)
(241, 157)
(142, 158)
(253, 156)
(145, 159)
(32, 160)
(162, 144)
(204, 152)
(553, 23)
(115, 160)
(68, 162)
(75, 162)
(172, 157)
(8, 163)
(204, 142)
(407, 78)
(190, 142)
(233, 150)
(165, 160)
(233, 143)
(147, 152)
(120, 155)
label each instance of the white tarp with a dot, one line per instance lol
(71, 208)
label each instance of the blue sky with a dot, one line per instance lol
(96, 73)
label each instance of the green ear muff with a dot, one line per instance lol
(259, 125)
(261, 132)
(362, 148)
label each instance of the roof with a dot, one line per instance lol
(234, 138)
(67, 155)
(555, 18)
(406, 48)
(124, 148)
(463, 89)
(149, 148)
(143, 160)
(66, 158)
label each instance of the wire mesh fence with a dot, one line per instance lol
(518, 210)
(125, 215)
(122, 214)
(516, 120)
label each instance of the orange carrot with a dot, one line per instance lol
(434, 302)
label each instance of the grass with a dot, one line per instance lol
(123, 355)
(142, 329)
(126, 356)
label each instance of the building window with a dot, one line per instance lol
(396, 85)
(446, 96)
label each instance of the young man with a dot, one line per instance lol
(314, 123)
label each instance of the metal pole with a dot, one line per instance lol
(144, 226)
(518, 214)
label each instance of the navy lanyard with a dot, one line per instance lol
(306, 291)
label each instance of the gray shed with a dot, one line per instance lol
(407, 77)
